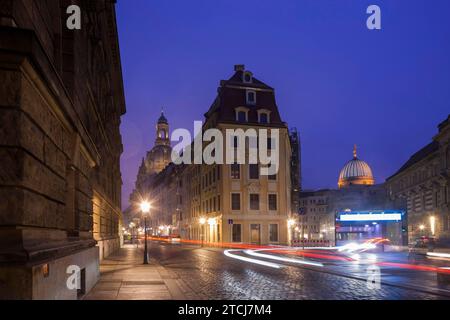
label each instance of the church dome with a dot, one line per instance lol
(355, 172)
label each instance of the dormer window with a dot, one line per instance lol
(251, 97)
(247, 77)
(264, 116)
(241, 114)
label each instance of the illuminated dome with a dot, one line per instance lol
(355, 172)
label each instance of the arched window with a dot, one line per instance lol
(251, 97)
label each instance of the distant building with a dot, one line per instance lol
(422, 183)
(61, 97)
(320, 210)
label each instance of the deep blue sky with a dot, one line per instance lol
(335, 80)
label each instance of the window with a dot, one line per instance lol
(237, 230)
(235, 142)
(235, 201)
(251, 97)
(272, 202)
(247, 77)
(263, 118)
(235, 171)
(254, 201)
(273, 232)
(242, 116)
(253, 171)
(270, 143)
(218, 203)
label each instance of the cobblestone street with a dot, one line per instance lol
(192, 272)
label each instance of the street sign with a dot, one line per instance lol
(230, 221)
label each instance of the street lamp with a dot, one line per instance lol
(202, 223)
(291, 224)
(432, 225)
(133, 233)
(145, 208)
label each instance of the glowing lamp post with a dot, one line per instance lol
(145, 208)
(432, 225)
(291, 224)
(202, 223)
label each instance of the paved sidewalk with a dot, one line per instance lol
(124, 277)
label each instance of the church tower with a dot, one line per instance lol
(162, 131)
(160, 155)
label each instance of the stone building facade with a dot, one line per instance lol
(423, 184)
(61, 99)
(237, 203)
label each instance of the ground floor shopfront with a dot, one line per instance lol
(261, 230)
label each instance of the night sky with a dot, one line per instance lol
(337, 82)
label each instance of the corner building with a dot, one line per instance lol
(239, 204)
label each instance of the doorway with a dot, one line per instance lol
(255, 233)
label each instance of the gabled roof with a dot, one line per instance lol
(236, 79)
(232, 94)
(418, 156)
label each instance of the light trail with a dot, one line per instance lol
(268, 256)
(438, 255)
(414, 267)
(324, 255)
(255, 261)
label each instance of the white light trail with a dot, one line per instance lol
(438, 254)
(268, 256)
(351, 247)
(256, 261)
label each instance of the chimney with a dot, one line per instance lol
(239, 67)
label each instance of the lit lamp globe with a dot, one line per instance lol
(202, 220)
(291, 222)
(145, 206)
